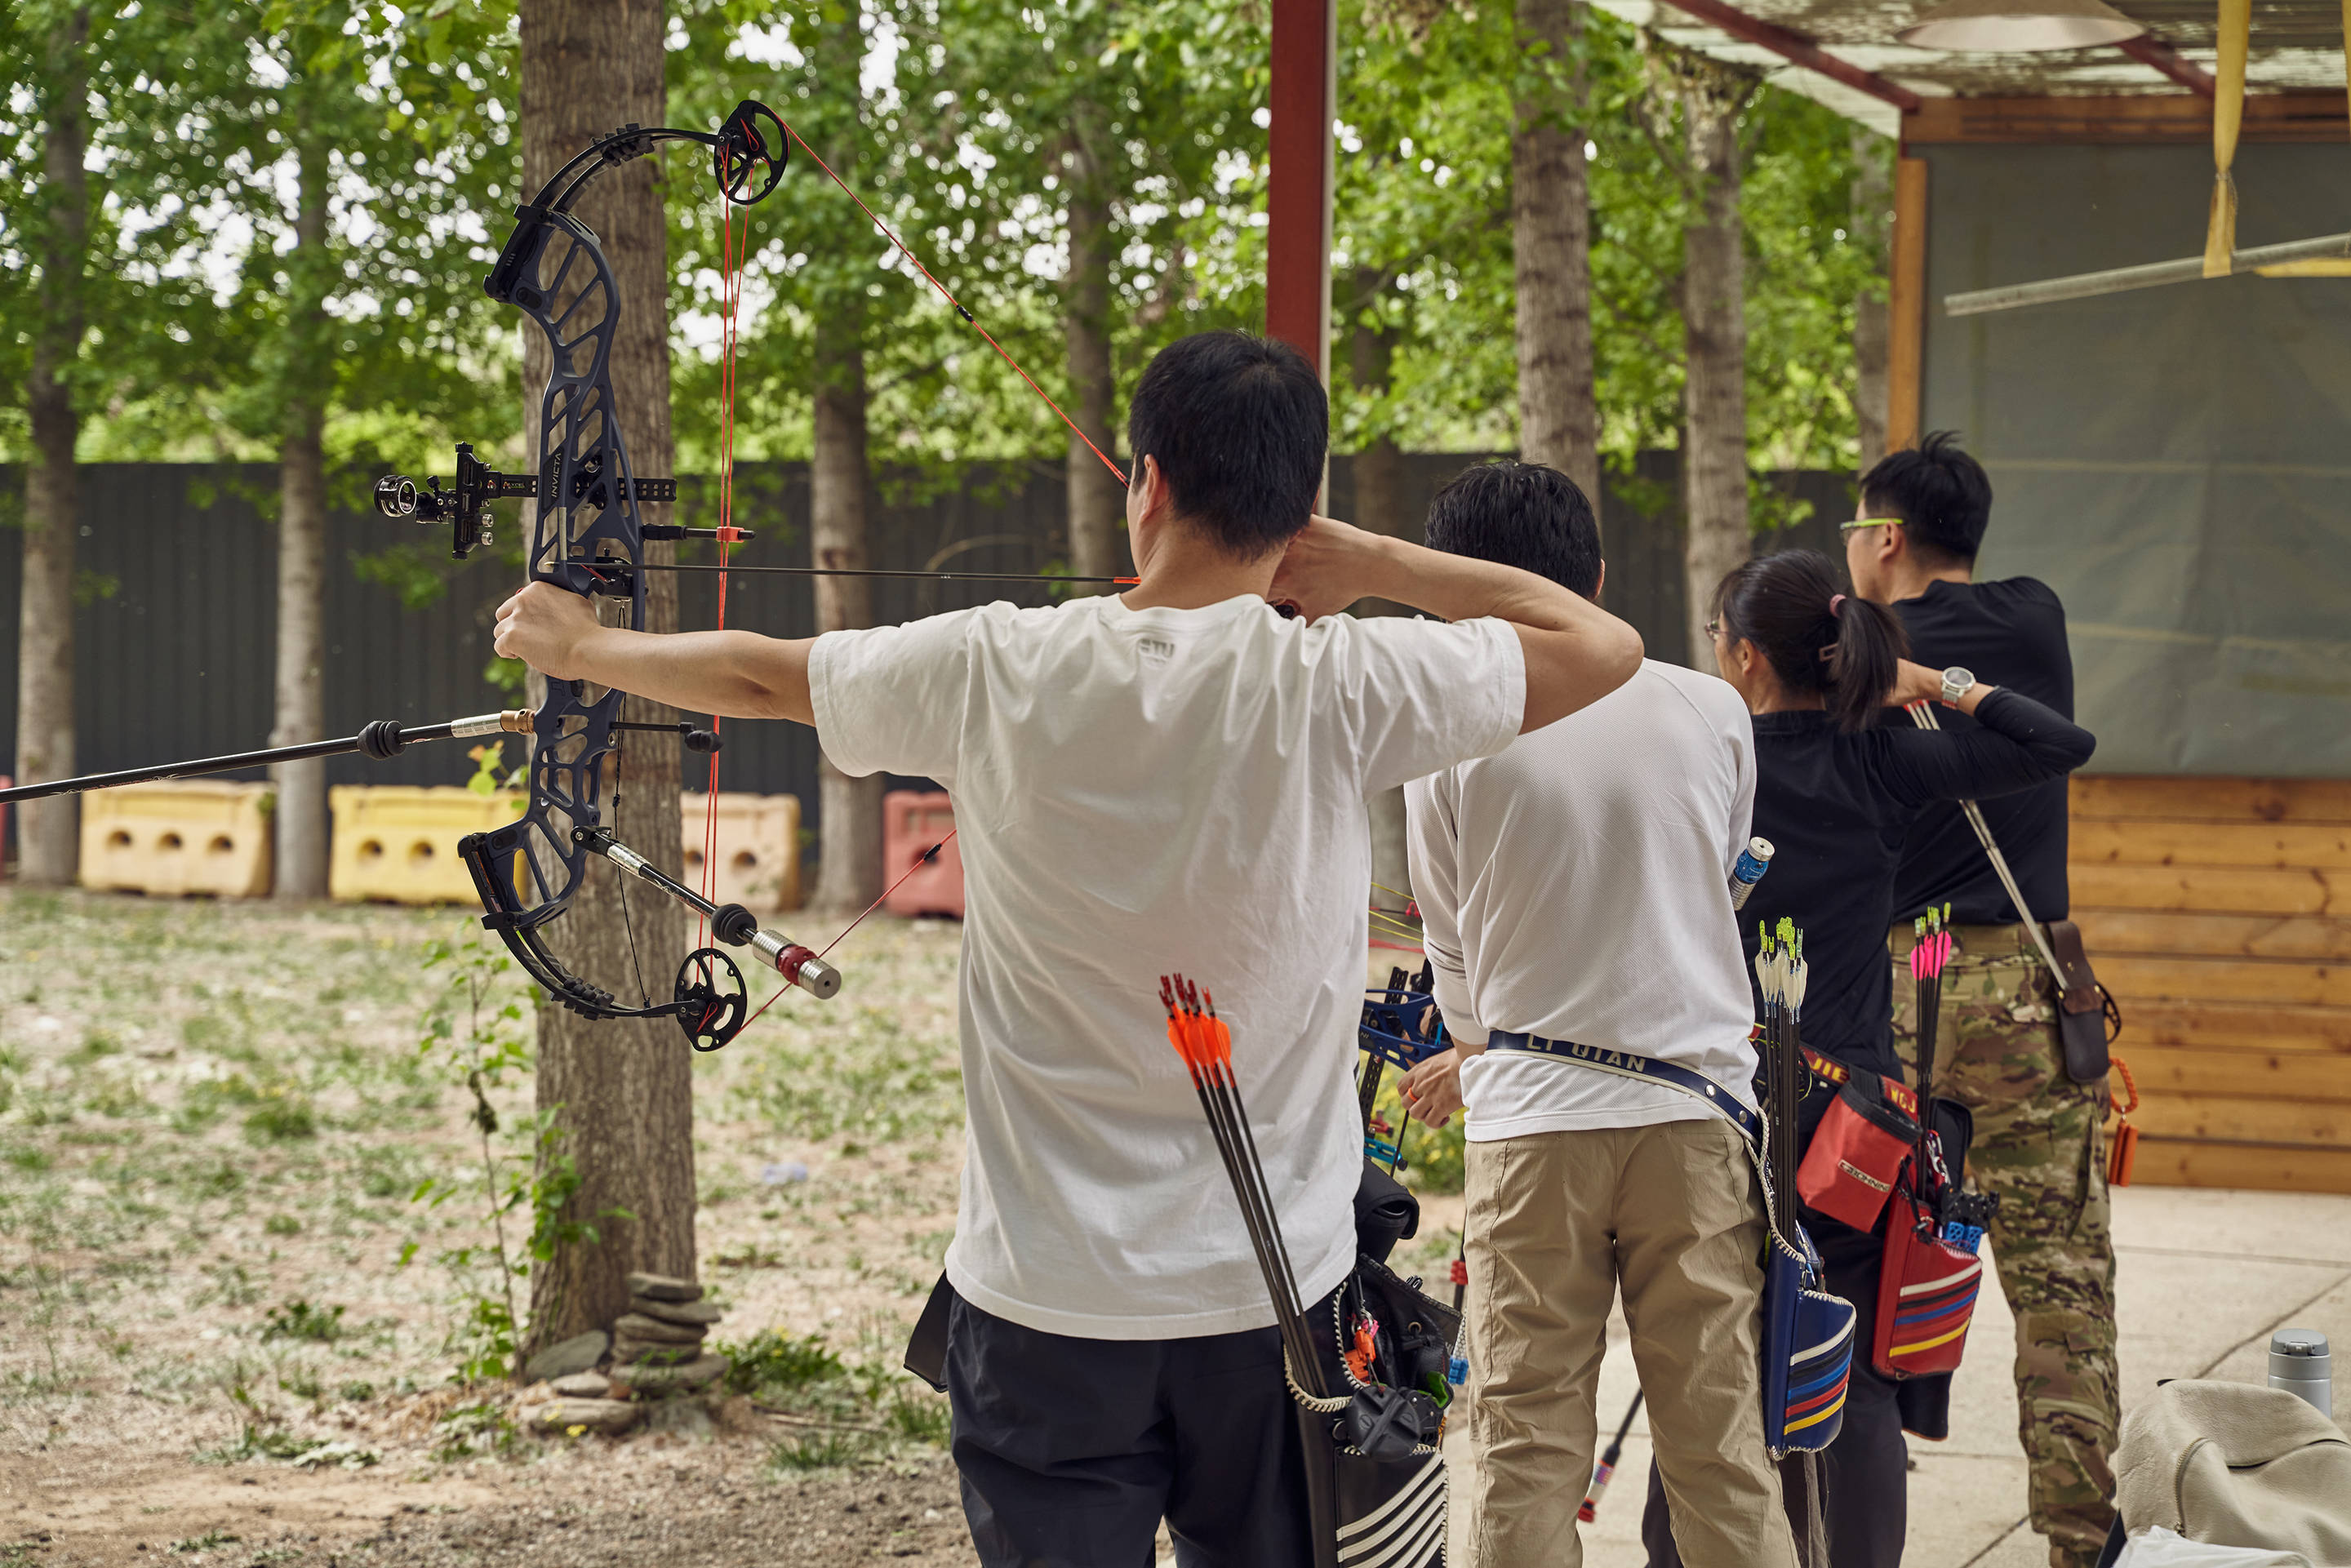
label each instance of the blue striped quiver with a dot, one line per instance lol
(1807, 1349)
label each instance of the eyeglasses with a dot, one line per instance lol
(1845, 530)
(1713, 630)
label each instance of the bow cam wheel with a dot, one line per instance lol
(711, 1004)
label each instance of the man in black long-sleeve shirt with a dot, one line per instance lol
(2038, 1139)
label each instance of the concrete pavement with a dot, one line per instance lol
(2203, 1278)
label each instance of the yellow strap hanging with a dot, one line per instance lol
(2228, 116)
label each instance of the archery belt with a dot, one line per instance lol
(1808, 1333)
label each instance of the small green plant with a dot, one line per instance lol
(772, 1360)
(283, 1115)
(355, 1393)
(480, 1041)
(210, 1541)
(817, 1451)
(282, 1225)
(300, 1320)
(470, 1431)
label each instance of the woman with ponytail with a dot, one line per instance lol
(1839, 778)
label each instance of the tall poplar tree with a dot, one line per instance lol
(620, 1091)
(47, 830)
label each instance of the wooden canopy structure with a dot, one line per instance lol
(2175, 460)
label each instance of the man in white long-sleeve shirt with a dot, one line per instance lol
(1574, 888)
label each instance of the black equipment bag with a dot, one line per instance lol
(1376, 1484)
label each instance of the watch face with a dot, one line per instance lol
(1958, 678)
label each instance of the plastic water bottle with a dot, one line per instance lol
(1753, 861)
(2301, 1364)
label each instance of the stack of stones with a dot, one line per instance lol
(657, 1343)
(655, 1351)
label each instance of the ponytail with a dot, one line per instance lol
(1815, 638)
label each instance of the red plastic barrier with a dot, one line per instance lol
(912, 821)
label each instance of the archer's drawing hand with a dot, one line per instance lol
(1432, 1091)
(544, 626)
(1329, 566)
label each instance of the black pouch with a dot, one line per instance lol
(926, 1349)
(2088, 1018)
(1386, 1213)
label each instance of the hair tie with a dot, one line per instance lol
(1835, 602)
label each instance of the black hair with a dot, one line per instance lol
(1816, 638)
(1523, 514)
(1942, 495)
(1239, 426)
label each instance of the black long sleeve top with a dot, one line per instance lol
(2011, 634)
(1837, 808)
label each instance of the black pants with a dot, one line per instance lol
(1865, 1474)
(1073, 1451)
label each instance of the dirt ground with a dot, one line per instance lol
(711, 1504)
(246, 1253)
(214, 1122)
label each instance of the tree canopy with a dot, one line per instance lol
(967, 113)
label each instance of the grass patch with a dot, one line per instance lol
(300, 1320)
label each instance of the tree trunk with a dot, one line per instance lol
(1097, 505)
(48, 831)
(1873, 199)
(849, 870)
(1550, 229)
(621, 1090)
(1380, 507)
(1714, 325)
(302, 534)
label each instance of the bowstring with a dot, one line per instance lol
(731, 296)
(916, 262)
(920, 861)
(732, 263)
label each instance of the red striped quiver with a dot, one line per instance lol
(1926, 1295)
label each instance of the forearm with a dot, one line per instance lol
(1461, 588)
(1576, 653)
(734, 674)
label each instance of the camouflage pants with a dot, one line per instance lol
(2041, 1146)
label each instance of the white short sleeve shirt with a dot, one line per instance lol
(1138, 792)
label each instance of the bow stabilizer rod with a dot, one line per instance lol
(730, 923)
(379, 741)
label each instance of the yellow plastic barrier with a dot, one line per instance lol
(397, 843)
(178, 838)
(758, 848)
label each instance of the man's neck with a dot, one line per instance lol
(1181, 569)
(1912, 579)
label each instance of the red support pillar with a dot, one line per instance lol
(1304, 99)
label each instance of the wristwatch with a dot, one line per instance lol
(1957, 681)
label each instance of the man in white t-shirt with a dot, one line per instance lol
(1575, 889)
(1172, 780)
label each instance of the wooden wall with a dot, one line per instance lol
(2218, 913)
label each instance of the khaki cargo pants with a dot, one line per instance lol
(1556, 1222)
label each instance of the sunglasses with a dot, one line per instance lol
(1845, 530)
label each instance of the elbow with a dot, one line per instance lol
(1627, 650)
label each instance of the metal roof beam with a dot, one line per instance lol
(1793, 46)
(2155, 55)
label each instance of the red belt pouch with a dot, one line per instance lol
(1857, 1152)
(1926, 1296)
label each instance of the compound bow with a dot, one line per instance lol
(588, 537)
